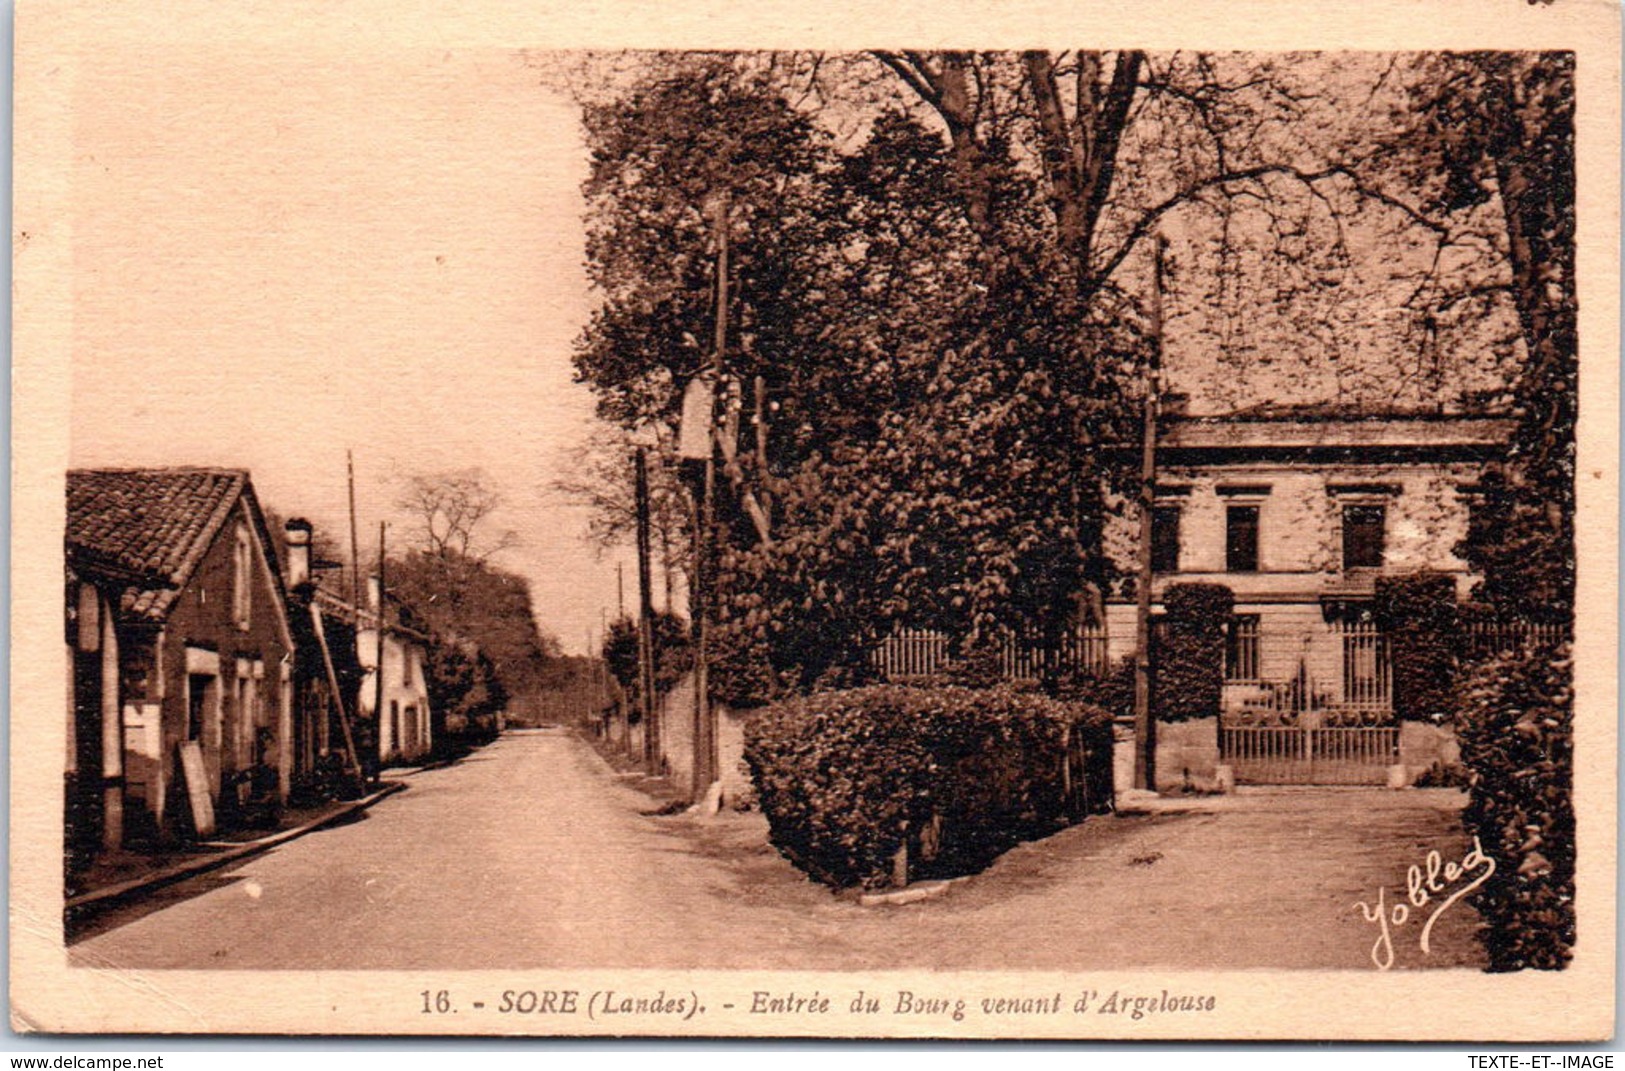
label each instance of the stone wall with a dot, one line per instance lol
(676, 713)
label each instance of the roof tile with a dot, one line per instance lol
(154, 525)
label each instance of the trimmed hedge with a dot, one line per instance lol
(956, 775)
(1515, 725)
(1419, 615)
(1188, 651)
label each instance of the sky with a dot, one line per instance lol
(284, 253)
(279, 257)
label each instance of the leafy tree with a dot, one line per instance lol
(673, 653)
(459, 602)
(464, 688)
(485, 643)
(1497, 129)
(938, 263)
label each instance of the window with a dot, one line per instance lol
(1165, 539)
(1241, 648)
(1367, 667)
(1363, 536)
(242, 574)
(1241, 539)
(406, 667)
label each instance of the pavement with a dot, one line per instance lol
(1255, 798)
(130, 875)
(531, 853)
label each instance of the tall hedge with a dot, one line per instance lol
(1188, 651)
(1515, 723)
(957, 775)
(1419, 615)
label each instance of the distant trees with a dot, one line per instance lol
(486, 645)
(448, 510)
(599, 475)
(673, 654)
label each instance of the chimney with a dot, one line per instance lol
(297, 537)
(372, 592)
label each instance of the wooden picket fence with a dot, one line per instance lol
(916, 652)
(1480, 639)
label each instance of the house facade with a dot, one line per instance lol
(1299, 517)
(402, 722)
(180, 643)
(341, 678)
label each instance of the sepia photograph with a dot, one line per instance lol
(673, 532)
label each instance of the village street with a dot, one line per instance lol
(529, 853)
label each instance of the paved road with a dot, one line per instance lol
(524, 853)
(529, 854)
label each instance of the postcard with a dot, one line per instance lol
(938, 522)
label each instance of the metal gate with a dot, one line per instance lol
(1304, 732)
(1309, 755)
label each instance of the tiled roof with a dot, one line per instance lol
(148, 527)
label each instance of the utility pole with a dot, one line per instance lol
(355, 545)
(1145, 726)
(646, 672)
(378, 675)
(704, 734)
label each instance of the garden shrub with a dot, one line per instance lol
(1188, 651)
(1419, 616)
(1112, 691)
(958, 775)
(1515, 724)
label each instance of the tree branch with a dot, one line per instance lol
(1308, 178)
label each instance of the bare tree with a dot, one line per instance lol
(599, 476)
(448, 510)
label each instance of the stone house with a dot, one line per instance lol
(1298, 516)
(1298, 513)
(178, 634)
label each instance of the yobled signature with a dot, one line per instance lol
(1423, 887)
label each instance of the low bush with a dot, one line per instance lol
(1418, 615)
(955, 775)
(1112, 691)
(1515, 725)
(1188, 651)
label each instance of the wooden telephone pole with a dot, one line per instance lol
(378, 673)
(646, 673)
(355, 546)
(704, 715)
(1145, 726)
